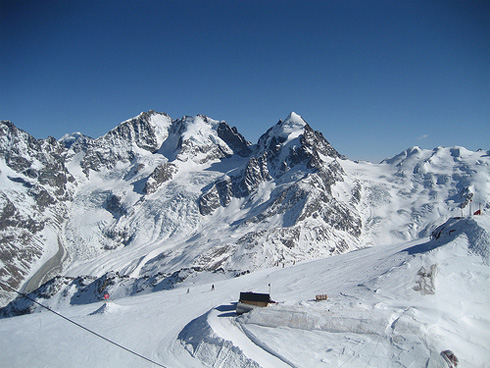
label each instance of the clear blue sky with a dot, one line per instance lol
(375, 77)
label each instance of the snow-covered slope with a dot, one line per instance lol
(156, 201)
(393, 305)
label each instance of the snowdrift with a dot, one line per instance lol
(205, 344)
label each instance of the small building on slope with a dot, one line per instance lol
(250, 300)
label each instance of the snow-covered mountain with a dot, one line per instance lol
(156, 201)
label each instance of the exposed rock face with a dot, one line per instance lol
(41, 160)
(233, 139)
(33, 197)
(304, 166)
(124, 143)
(271, 159)
(160, 175)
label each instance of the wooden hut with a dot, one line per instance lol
(250, 300)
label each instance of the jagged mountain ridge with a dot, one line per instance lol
(285, 155)
(156, 197)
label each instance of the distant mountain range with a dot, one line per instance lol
(157, 200)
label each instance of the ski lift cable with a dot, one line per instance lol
(83, 327)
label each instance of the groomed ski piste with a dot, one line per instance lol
(396, 305)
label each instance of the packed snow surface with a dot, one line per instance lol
(393, 305)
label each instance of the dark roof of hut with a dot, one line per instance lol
(255, 297)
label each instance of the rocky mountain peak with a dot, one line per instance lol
(27, 155)
(292, 123)
(75, 139)
(202, 139)
(148, 130)
(234, 139)
(282, 133)
(292, 142)
(12, 137)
